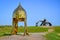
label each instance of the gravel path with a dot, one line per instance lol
(32, 36)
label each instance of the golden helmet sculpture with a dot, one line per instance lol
(19, 15)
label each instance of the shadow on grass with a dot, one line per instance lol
(11, 34)
(6, 34)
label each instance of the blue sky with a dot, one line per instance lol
(36, 10)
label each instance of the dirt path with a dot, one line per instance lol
(32, 36)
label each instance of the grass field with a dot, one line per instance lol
(54, 35)
(32, 29)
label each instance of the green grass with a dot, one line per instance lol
(52, 36)
(6, 30)
(31, 29)
(57, 29)
(37, 29)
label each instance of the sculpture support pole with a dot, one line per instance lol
(25, 28)
(15, 25)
